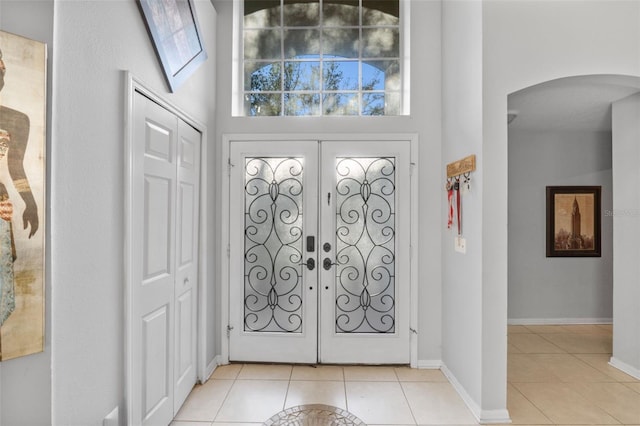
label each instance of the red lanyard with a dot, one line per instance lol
(456, 186)
(453, 187)
(449, 188)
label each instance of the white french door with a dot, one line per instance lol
(319, 251)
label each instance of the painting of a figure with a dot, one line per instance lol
(573, 221)
(22, 195)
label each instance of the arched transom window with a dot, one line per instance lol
(321, 57)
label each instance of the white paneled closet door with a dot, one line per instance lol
(164, 233)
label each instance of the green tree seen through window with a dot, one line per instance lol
(299, 88)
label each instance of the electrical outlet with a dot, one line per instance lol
(460, 245)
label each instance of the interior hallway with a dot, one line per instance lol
(556, 375)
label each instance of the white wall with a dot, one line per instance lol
(520, 43)
(90, 44)
(424, 120)
(26, 382)
(94, 42)
(525, 43)
(556, 289)
(626, 214)
(462, 136)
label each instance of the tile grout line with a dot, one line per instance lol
(574, 356)
(560, 381)
(415, 420)
(226, 396)
(344, 386)
(286, 394)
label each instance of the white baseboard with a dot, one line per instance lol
(558, 321)
(429, 364)
(211, 367)
(482, 416)
(625, 368)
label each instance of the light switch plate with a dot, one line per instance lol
(460, 245)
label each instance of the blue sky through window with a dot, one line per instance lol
(322, 57)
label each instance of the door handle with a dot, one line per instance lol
(310, 263)
(327, 263)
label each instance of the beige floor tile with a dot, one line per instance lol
(512, 349)
(605, 327)
(265, 372)
(228, 372)
(615, 398)
(378, 403)
(319, 372)
(568, 368)
(522, 368)
(601, 363)
(633, 386)
(563, 405)
(204, 401)
(587, 328)
(236, 424)
(316, 392)
(522, 411)
(517, 329)
(253, 401)
(407, 374)
(581, 343)
(533, 343)
(550, 329)
(436, 403)
(369, 373)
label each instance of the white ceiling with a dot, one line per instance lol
(573, 103)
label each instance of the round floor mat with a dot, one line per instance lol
(314, 415)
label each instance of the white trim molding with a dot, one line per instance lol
(558, 321)
(211, 368)
(132, 85)
(482, 416)
(429, 364)
(624, 367)
(224, 164)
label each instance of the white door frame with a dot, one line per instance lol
(133, 85)
(225, 165)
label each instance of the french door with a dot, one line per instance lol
(319, 251)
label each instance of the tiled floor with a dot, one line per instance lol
(249, 394)
(560, 375)
(556, 375)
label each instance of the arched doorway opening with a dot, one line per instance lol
(565, 132)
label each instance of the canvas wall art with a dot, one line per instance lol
(22, 195)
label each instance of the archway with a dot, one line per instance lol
(560, 133)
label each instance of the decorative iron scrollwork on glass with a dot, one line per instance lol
(365, 245)
(273, 245)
